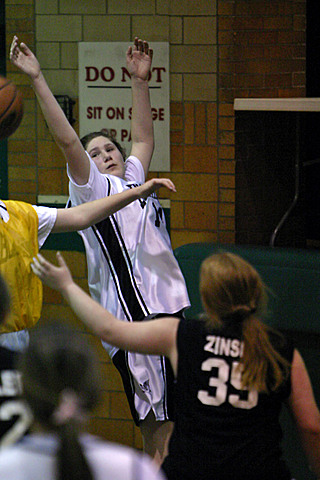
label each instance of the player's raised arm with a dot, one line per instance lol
(65, 136)
(87, 214)
(156, 337)
(139, 59)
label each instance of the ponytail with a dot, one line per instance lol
(71, 461)
(61, 383)
(263, 368)
(233, 292)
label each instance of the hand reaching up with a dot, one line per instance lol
(22, 57)
(139, 59)
(56, 277)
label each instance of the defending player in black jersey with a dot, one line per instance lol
(233, 374)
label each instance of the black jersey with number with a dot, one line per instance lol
(222, 431)
(15, 416)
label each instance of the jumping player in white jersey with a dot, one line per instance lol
(131, 266)
(233, 374)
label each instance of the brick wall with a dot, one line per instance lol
(261, 54)
(219, 50)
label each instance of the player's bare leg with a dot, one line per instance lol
(155, 437)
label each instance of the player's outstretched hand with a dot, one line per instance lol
(154, 184)
(57, 277)
(139, 59)
(22, 57)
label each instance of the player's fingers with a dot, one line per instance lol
(25, 48)
(164, 182)
(13, 46)
(140, 45)
(145, 47)
(41, 259)
(44, 265)
(172, 186)
(61, 260)
(35, 269)
(169, 184)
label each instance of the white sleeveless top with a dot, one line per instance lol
(132, 271)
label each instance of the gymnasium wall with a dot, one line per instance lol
(219, 50)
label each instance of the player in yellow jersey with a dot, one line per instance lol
(24, 229)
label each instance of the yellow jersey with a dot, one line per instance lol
(18, 245)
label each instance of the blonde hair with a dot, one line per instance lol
(233, 292)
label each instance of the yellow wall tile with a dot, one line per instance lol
(187, 7)
(226, 209)
(27, 173)
(201, 216)
(203, 186)
(134, 7)
(119, 431)
(85, 7)
(177, 214)
(226, 181)
(176, 87)
(200, 159)
(46, 6)
(200, 87)
(48, 54)
(119, 407)
(106, 28)
(154, 28)
(200, 30)
(59, 28)
(175, 29)
(63, 82)
(19, 11)
(193, 59)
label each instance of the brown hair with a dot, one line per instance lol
(104, 132)
(233, 291)
(59, 358)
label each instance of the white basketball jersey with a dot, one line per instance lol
(132, 271)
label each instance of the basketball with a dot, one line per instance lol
(11, 107)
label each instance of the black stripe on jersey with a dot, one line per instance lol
(165, 393)
(114, 250)
(129, 266)
(105, 235)
(120, 360)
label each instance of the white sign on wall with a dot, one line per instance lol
(105, 95)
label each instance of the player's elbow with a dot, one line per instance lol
(310, 424)
(69, 142)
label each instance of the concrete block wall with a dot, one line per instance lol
(219, 50)
(53, 29)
